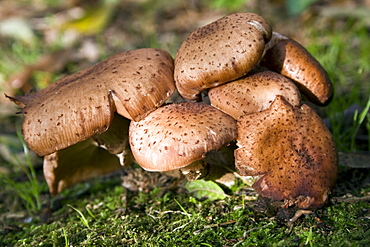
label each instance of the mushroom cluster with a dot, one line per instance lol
(239, 82)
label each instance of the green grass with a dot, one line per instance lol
(28, 191)
(343, 55)
(101, 212)
(177, 220)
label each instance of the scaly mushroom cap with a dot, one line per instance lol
(220, 52)
(292, 150)
(80, 105)
(175, 135)
(293, 61)
(253, 93)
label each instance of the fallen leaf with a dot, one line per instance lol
(205, 189)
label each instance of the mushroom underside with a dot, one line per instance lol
(95, 156)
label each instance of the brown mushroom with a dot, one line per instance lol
(95, 156)
(293, 152)
(253, 93)
(220, 52)
(81, 105)
(292, 60)
(179, 135)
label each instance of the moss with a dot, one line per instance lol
(150, 220)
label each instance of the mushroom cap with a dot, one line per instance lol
(80, 105)
(253, 93)
(175, 135)
(292, 60)
(293, 152)
(220, 52)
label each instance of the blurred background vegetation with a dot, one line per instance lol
(43, 40)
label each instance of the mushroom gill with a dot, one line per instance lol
(95, 156)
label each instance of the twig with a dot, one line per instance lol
(351, 199)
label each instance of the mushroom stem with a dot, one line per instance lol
(298, 214)
(217, 165)
(196, 170)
